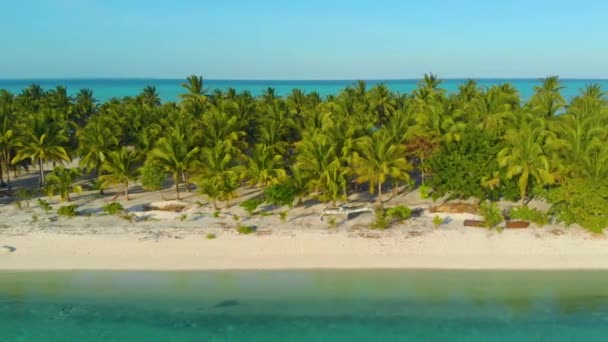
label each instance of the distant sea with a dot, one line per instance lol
(169, 89)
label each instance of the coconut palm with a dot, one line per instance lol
(173, 153)
(95, 142)
(121, 167)
(264, 166)
(378, 159)
(527, 156)
(61, 180)
(218, 177)
(547, 100)
(46, 141)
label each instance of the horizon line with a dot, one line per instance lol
(296, 79)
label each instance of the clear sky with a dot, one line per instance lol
(305, 39)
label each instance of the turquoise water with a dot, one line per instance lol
(304, 306)
(169, 89)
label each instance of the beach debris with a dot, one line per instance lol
(455, 208)
(346, 209)
(7, 249)
(226, 303)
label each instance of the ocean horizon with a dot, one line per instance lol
(169, 88)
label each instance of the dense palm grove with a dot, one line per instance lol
(484, 143)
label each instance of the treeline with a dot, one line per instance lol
(477, 142)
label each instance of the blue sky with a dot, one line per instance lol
(306, 39)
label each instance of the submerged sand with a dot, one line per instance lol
(158, 239)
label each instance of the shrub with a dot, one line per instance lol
(113, 208)
(128, 217)
(68, 210)
(46, 206)
(283, 216)
(281, 194)
(216, 213)
(492, 216)
(152, 177)
(381, 221)
(251, 205)
(243, 229)
(437, 221)
(529, 214)
(34, 218)
(582, 201)
(210, 236)
(399, 212)
(425, 191)
(332, 222)
(183, 217)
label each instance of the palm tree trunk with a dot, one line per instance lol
(214, 204)
(379, 193)
(421, 170)
(176, 179)
(2, 173)
(126, 187)
(40, 166)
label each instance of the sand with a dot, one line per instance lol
(155, 239)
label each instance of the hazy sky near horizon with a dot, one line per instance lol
(307, 39)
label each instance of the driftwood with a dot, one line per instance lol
(474, 223)
(517, 224)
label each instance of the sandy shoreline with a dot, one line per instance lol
(308, 250)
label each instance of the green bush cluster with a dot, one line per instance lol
(492, 216)
(46, 206)
(68, 210)
(113, 208)
(244, 229)
(251, 204)
(529, 214)
(399, 212)
(381, 221)
(281, 194)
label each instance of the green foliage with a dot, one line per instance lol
(281, 194)
(216, 213)
(60, 182)
(152, 177)
(425, 191)
(68, 210)
(35, 218)
(491, 214)
(437, 221)
(458, 168)
(251, 204)
(283, 216)
(244, 229)
(210, 236)
(332, 222)
(183, 217)
(582, 201)
(113, 208)
(399, 212)
(24, 196)
(128, 217)
(381, 221)
(46, 206)
(528, 214)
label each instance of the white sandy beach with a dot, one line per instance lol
(161, 240)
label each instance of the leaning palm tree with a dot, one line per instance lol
(121, 167)
(45, 142)
(378, 159)
(60, 182)
(218, 179)
(527, 156)
(175, 156)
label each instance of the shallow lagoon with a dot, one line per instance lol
(383, 305)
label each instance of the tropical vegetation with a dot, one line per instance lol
(477, 142)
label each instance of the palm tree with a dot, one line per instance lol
(45, 142)
(547, 100)
(218, 179)
(175, 156)
(378, 159)
(60, 182)
(195, 98)
(264, 166)
(121, 167)
(527, 156)
(95, 142)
